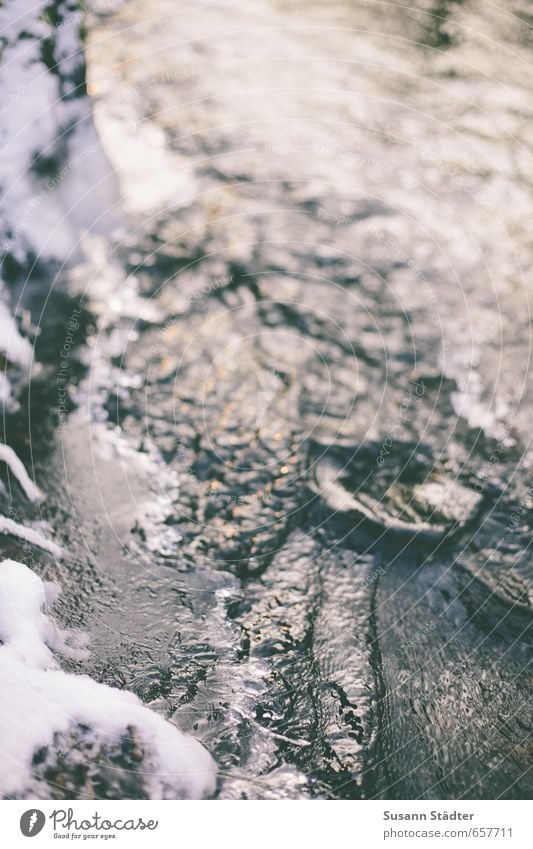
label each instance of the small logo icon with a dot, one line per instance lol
(32, 822)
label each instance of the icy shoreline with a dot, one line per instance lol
(39, 702)
(57, 186)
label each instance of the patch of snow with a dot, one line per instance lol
(46, 210)
(15, 347)
(16, 466)
(39, 700)
(16, 350)
(9, 526)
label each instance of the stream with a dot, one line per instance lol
(282, 413)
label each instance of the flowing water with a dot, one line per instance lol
(293, 472)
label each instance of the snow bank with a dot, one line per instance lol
(55, 180)
(8, 456)
(9, 526)
(15, 349)
(38, 700)
(33, 493)
(56, 187)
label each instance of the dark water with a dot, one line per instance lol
(295, 490)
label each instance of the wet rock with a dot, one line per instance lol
(78, 766)
(401, 494)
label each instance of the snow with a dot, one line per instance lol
(51, 215)
(33, 493)
(38, 700)
(9, 526)
(8, 456)
(16, 350)
(15, 347)
(48, 214)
